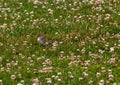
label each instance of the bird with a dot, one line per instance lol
(43, 41)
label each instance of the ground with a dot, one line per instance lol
(85, 36)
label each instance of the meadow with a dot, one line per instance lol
(85, 36)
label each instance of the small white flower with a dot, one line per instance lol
(19, 84)
(112, 49)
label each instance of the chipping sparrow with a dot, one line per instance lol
(42, 40)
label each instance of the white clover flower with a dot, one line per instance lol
(112, 49)
(20, 84)
(13, 77)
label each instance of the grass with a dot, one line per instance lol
(86, 35)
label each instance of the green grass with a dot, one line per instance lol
(84, 51)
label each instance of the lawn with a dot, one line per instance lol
(85, 36)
